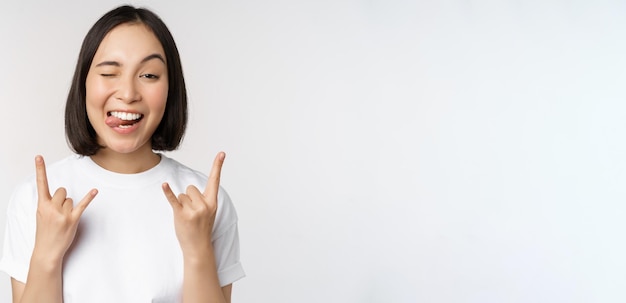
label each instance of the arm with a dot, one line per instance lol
(17, 289)
(194, 217)
(57, 221)
(192, 274)
(200, 281)
(45, 282)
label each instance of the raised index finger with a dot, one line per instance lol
(43, 192)
(213, 184)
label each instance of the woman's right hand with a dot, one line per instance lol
(57, 217)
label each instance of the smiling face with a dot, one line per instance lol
(127, 89)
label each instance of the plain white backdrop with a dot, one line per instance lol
(378, 151)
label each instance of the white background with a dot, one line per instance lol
(378, 151)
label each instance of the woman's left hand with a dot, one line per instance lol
(194, 213)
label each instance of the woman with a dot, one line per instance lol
(127, 101)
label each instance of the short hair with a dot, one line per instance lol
(80, 135)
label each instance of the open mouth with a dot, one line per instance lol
(122, 119)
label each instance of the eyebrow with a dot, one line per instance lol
(144, 60)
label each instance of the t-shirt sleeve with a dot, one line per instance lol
(226, 241)
(19, 237)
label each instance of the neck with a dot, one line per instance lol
(126, 163)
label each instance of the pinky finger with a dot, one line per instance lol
(82, 205)
(171, 197)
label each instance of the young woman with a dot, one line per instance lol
(120, 240)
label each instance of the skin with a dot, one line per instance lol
(128, 74)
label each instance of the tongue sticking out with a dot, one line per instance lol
(112, 121)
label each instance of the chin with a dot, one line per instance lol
(124, 149)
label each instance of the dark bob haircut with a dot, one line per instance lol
(80, 134)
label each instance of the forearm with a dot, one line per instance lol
(200, 281)
(45, 280)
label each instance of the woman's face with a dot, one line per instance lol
(126, 89)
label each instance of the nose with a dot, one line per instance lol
(127, 90)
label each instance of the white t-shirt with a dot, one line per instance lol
(125, 249)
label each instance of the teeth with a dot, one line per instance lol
(126, 116)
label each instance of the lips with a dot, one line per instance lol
(122, 119)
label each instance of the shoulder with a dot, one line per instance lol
(180, 173)
(67, 167)
(24, 196)
(185, 174)
(55, 167)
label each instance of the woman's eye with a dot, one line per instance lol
(107, 75)
(149, 76)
